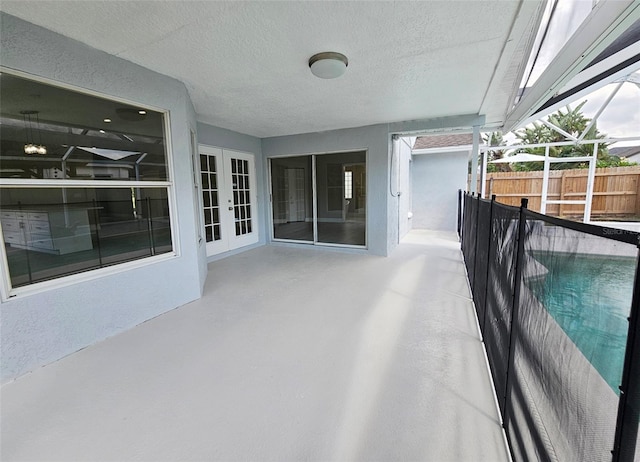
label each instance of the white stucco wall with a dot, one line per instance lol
(40, 328)
(436, 179)
(381, 215)
(405, 187)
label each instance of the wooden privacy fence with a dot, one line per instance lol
(616, 191)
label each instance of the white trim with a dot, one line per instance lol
(62, 183)
(461, 148)
(291, 241)
(545, 181)
(570, 202)
(565, 143)
(591, 179)
(559, 130)
(602, 66)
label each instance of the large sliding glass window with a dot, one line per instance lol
(83, 181)
(342, 198)
(320, 198)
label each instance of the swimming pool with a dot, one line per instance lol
(589, 296)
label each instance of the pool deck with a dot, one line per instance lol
(293, 353)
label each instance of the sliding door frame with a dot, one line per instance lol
(314, 192)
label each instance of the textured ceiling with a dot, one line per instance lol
(245, 63)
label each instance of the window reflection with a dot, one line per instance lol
(83, 136)
(50, 138)
(52, 232)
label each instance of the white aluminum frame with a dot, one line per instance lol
(579, 140)
(6, 290)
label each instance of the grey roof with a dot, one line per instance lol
(442, 141)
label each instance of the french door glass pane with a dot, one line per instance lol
(241, 196)
(292, 198)
(341, 194)
(210, 197)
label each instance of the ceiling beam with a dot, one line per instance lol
(462, 122)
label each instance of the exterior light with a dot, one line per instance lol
(328, 65)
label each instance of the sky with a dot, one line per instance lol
(621, 117)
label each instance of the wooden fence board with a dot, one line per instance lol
(616, 190)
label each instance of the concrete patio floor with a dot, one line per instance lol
(293, 354)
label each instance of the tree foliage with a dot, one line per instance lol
(574, 122)
(495, 139)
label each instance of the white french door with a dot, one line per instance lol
(229, 199)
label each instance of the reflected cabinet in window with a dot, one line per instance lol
(52, 141)
(339, 188)
(53, 232)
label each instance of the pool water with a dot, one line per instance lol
(589, 296)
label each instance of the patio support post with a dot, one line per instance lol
(483, 173)
(545, 182)
(514, 311)
(591, 180)
(475, 149)
(624, 448)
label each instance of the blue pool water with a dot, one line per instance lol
(590, 298)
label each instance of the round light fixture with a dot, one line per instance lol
(131, 114)
(328, 65)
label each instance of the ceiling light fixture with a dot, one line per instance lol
(328, 65)
(131, 114)
(107, 121)
(31, 147)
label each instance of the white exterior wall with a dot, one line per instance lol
(436, 179)
(405, 187)
(43, 327)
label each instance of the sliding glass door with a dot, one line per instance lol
(320, 198)
(292, 198)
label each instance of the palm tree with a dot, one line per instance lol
(495, 139)
(573, 122)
